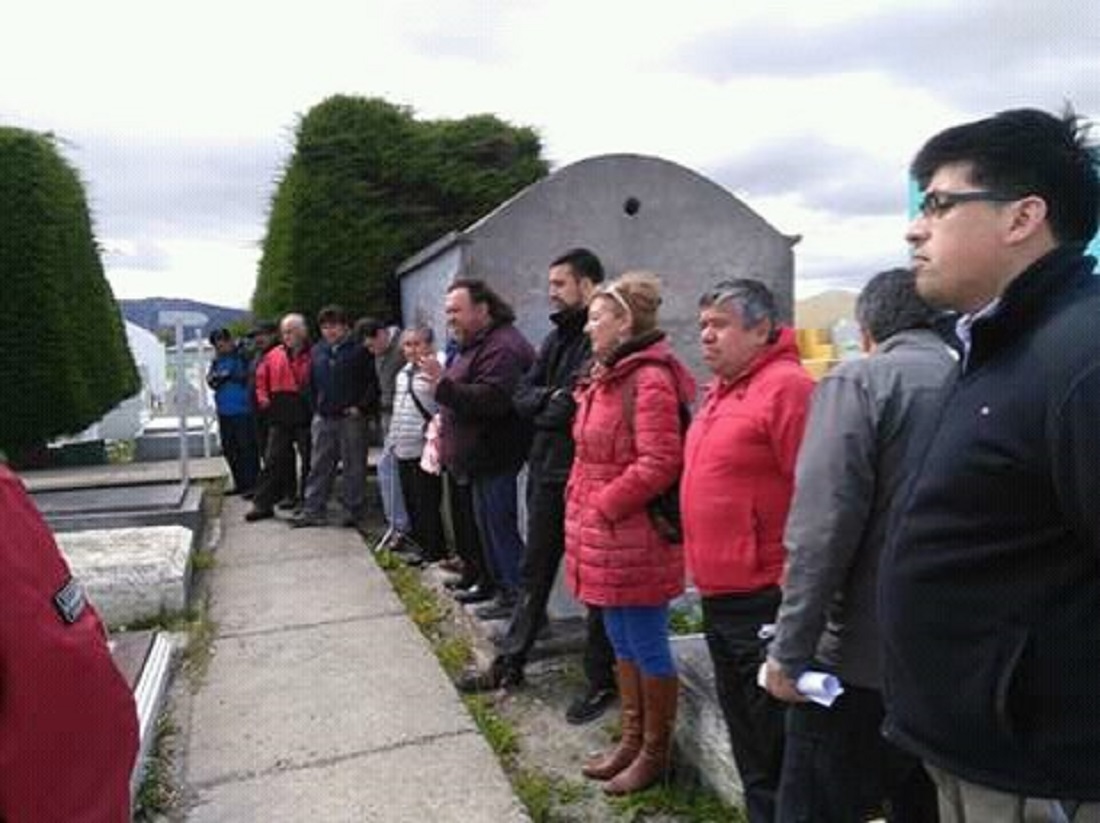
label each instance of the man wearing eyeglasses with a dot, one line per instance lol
(989, 594)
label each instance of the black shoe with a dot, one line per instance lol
(287, 504)
(477, 593)
(306, 520)
(249, 495)
(590, 705)
(258, 514)
(499, 609)
(499, 676)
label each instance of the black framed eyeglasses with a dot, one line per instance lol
(938, 203)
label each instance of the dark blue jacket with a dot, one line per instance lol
(228, 376)
(989, 590)
(342, 377)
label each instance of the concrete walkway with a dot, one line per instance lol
(322, 701)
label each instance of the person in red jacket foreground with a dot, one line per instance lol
(734, 496)
(68, 725)
(615, 557)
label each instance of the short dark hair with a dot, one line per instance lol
(332, 314)
(218, 335)
(264, 327)
(889, 304)
(1024, 152)
(480, 292)
(753, 299)
(368, 327)
(584, 264)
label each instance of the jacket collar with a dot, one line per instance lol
(1028, 296)
(570, 322)
(479, 338)
(911, 337)
(785, 347)
(634, 345)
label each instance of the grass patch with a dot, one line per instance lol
(500, 733)
(688, 804)
(158, 793)
(121, 451)
(543, 795)
(203, 560)
(454, 653)
(685, 620)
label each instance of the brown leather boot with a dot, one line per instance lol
(659, 698)
(606, 765)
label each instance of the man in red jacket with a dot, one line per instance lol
(68, 726)
(282, 392)
(735, 492)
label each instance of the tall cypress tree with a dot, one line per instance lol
(64, 360)
(368, 185)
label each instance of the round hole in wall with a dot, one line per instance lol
(632, 205)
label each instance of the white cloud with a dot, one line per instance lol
(181, 114)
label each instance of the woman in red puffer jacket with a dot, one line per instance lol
(615, 558)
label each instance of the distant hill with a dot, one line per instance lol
(823, 310)
(144, 312)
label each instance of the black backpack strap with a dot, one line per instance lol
(416, 400)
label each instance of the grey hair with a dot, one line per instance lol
(754, 301)
(293, 320)
(889, 304)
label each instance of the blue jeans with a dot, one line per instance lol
(495, 509)
(639, 634)
(389, 486)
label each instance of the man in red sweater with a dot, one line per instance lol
(735, 492)
(68, 726)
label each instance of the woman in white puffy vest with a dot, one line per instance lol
(413, 407)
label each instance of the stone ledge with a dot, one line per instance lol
(132, 575)
(702, 739)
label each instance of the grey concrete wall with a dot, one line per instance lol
(422, 292)
(688, 229)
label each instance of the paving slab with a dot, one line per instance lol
(453, 778)
(267, 541)
(300, 591)
(322, 700)
(290, 698)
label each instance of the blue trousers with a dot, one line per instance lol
(389, 487)
(495, 509)
(639, 634)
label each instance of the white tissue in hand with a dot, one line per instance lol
(818, 687)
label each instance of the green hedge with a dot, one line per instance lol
(64, 360)
(368, 185)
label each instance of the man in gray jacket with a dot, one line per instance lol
(837, 766)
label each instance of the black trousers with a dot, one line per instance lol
(237, 433)
(423, 493)
(277, 479)
(466, 535)
(838, 768)
(545, 547)
(755, 719)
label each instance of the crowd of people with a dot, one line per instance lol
(921, 524)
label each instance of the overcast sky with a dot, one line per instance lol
(179, 116)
